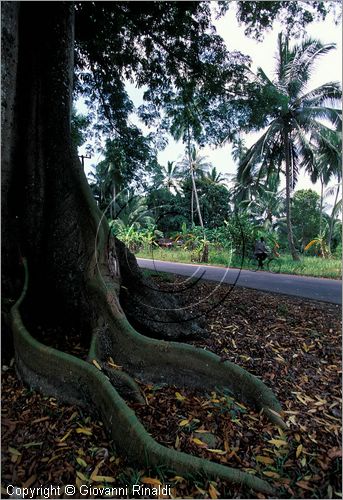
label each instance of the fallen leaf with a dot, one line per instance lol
(177, 479)
(95, 363)
(81, 476)
(150, 480)
(14, 451)
(213, 492)
(292, 420)
(270, 473)
(33, 443)
(96, 470)
(304, 485)
(65, 436)
(335, 453)
(203, 492)
(75, 414)
(179, 397)
(299, 450)
(81, 462)
(278, 442)
(264, 460)
(114, 365)
(37, 420)
(199, 442)
(103, 479)
(84, 430)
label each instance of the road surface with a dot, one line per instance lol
(325, 290)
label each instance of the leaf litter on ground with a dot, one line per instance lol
(293, 345)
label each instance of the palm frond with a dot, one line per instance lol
(301, 63)
(308, 115)
(319, 95)
(255, 154)
(304, 148)
(331, 190)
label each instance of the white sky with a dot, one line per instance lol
(329, 68)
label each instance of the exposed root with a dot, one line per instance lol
(73, 380)
(158, 361)
(143, 303)
(125, 385)
(120, 380)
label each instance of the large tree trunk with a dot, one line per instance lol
(73, 267)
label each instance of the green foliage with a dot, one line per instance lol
(134, 236)
(292, 115)
(213, 199)
(130, 235)
(160, 46)
(125, 164)
(169, 210)
(259, 16)
(236, 235)
(307, 266)
(79, 128)
(295, 111)
(305, 215)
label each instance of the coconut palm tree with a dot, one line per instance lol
(336, 209)
(269, 204)
(132, 210)
(215, 177)
(196, 166)
(294, 113)
(171, 176)
(328, 165)
(185, 116)
(239, 149)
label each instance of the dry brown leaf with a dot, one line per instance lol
(150, 480)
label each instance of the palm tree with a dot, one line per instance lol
(184, 112)
(336, 209)
(269, 203)
(214, 177)
(196, 166)
(293, 115)
(239, 149)
(132, 210)
(107, 182)
(171, 176)
(328, 164)
(245, 188)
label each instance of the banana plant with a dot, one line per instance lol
(320, 243)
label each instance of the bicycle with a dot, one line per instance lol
(271, 264)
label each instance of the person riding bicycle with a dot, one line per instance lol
(260, 252)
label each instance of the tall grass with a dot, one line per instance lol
(307, 266)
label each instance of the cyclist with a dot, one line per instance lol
(260, 252)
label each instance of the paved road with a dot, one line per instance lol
(322, 289)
